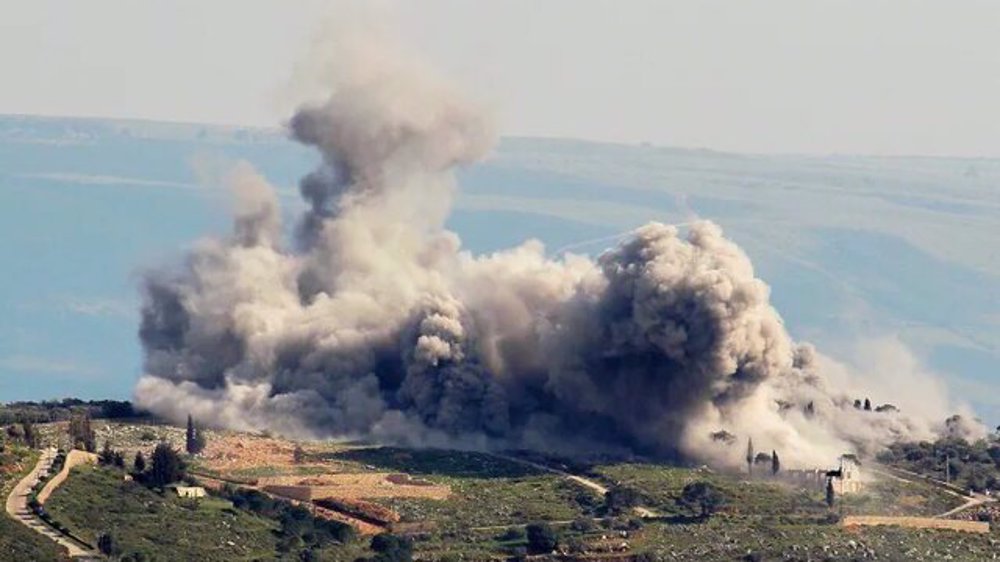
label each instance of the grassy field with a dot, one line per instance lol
(894, 497)
(731, 538)
(96, 500)
(486, 490)
(18, 542)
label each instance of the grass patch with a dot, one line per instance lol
(893, 497)
(96, 500)
(501, 501)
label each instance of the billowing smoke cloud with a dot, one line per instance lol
(371, 322)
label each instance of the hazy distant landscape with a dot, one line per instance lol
(853, 247)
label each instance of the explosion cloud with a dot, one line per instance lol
(372, 322)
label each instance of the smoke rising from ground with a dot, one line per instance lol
(370, 321)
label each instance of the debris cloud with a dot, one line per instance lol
(371, 321)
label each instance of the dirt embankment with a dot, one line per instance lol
(916, 522)
(357, 486)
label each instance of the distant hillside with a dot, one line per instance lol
(854, 247)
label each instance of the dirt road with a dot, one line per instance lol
(971, 499)
(17, 508)
(602, 490)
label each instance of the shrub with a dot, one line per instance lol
(582, 524)
(702, 498)
(541, 538)
(620, 498)
(107, 543)
(512, 534)
(392, 548)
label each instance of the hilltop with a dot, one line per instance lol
(464, 505)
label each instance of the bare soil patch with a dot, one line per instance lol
(360, 486)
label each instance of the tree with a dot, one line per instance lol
(775, 463)
(107, 543)
(194, 441)
(81, 434)
(106, 455)
(541, 538)
(189, 436)
(30, 437)
(392, 548)
(702, 497)
(750, 456)
(620, 498)
(829, 492)
(167, 466)
(857, 404)
(139, 464)
(868, 405)
(298, 455)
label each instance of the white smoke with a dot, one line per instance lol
(372, 322)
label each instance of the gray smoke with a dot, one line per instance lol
(371, 322)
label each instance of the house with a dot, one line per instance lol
(846, 478)
(188, 491)
(849, 479)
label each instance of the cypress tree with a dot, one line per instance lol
(775, 463)
(750, 456)
(829, 492)
(190, 443)
(139, 464)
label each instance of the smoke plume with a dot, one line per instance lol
(369, 320)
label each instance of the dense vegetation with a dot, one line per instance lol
(63, 410)
(299, 531)
(974, 466)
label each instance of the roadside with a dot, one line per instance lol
(17, 508)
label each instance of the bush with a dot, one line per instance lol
(541, 538)
(512, 534)
(620, 499)
(392, 548)
(702, 498)
(107, 543)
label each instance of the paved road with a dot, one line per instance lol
(17, 507)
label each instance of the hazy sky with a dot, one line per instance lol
(868, 76)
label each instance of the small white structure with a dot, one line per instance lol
(849, 481)
(189, 491)
(846, 478)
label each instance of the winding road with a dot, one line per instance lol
(17, 508)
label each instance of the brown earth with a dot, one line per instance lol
(240, 452)
(359, 486)
(916, 522)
